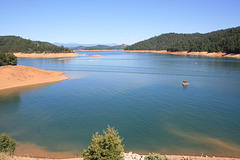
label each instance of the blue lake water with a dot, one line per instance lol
(140, 94)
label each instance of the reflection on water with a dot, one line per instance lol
(10, 100)
(13, 95)
(139, 94)
(61, 60)
(12, 92)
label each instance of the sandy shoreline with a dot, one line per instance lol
(185, 53)
(96, 56)
(18, 76)
(47, 55)
(172, 157)
(40, 152)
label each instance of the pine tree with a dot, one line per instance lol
(105, 147)
(7, 145)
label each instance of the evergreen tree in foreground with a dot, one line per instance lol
(105, 147)
(7, 145)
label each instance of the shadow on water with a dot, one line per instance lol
(10, 100)
(13, 95)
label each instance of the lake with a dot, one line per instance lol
(140, 94)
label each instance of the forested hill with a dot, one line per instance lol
(11, 44)
(163, 42)
(227, 40)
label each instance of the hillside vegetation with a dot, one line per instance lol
(227, 41)
(163, 42)
(11, 44)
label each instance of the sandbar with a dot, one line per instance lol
(96, 56)
(186, 53)
(17, 76)
(47, 55)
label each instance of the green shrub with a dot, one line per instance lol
(156, 156)
(7, 59)
(12, 59)
(7, 145)
(105, 147)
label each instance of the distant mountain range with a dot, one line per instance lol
(227, 41)
(101, 47)
(74, 45)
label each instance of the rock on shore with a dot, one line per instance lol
(133, 156)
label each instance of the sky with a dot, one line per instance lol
(113, 21)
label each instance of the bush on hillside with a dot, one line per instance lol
(7, 144)
(105, 147)
(7, 59)
(156, 156)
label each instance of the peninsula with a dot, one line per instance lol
(18, 76)
(13, 75)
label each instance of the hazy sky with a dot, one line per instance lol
(113, 21)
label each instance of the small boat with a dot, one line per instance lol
(185, 83)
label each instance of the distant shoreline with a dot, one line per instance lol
(18, 76)
(186, 53)
(47, 55)
(102, 50)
